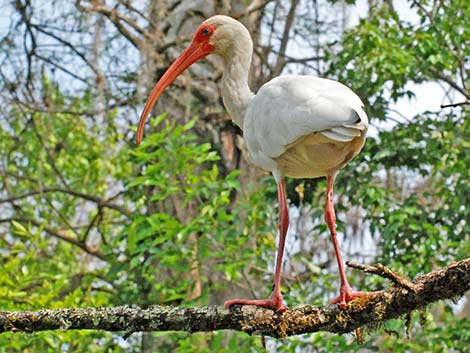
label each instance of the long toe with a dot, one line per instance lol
(347, 295)
(269, 303)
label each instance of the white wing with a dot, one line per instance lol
(289, 107)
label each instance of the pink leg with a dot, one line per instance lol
(346, 294)
(275, 299)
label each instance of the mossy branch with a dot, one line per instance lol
(450, 282)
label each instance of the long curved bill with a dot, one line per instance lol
(189, 56)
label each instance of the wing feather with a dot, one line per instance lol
(289, 107)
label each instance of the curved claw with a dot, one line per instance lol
(347, 294)
(344, 299)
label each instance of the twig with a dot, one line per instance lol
(280, 63)
(382, 271)
(92, 198)
(440, 75)
(452, 105)
(58, 234)
(117, 19)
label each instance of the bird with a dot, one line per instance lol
(295, 126)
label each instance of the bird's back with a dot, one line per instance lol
(303, 126)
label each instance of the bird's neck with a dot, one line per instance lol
(236, 93)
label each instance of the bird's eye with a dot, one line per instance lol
(206, 31)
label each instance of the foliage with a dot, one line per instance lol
(430, 148)
(42, 266)
(203, 237)
(385, 52)
(412, 178)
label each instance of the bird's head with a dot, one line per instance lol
(216, 35)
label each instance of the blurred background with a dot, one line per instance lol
(89, 219)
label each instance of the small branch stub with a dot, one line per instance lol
(448, 283)
(385, 272)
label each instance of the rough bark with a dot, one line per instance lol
(450, 282)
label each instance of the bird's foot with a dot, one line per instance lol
(347, 294)
(273, 302)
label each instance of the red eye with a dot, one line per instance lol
(206, 31)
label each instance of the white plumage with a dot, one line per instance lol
(288, 109)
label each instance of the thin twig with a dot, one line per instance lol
(58, 234)
(280, 63)
(92, 198)
(452, 105)
(382, 271)
(440, 75)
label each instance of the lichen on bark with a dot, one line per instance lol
(449, 282)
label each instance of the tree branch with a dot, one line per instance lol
(285, 38)
(450, 282)
(92, 198)
(58, 234)
(453, 105)
(440, 75)
(117, 19)
(384, 272)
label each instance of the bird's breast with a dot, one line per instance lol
(316, 155)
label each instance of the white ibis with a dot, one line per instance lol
(295, 126)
